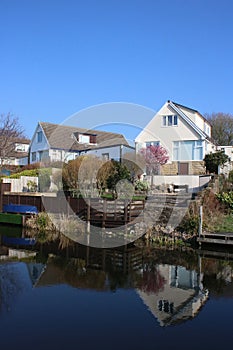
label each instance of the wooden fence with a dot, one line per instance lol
(97, 211)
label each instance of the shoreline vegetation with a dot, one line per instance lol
(216, 201)
(217, 218)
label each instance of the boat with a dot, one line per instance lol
(19, 209)
(18, 241)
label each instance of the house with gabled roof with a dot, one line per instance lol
(180, 297)
(184, 133)
(54, 142)
(17, 152)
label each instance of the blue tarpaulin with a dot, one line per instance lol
(18, 241)
(20, 208)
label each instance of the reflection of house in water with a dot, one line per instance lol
(16, 278)
(35, 270)
(180, 298)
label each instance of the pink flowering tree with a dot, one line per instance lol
(154, 157)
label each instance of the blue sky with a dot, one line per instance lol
(60, 57)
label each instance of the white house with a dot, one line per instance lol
(185, 134)
(53, 142)
(18, 152)
(179, 296)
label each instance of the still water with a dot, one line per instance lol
(129, 297)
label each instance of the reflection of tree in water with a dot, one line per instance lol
(152, 281)
(10, 285)
(217, 274)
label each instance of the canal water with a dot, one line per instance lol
(130, 297)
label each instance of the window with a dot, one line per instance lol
(152, 143)
(39, 136)
(169, 120)
(43, 155)
(84, 138)
(105, 156)
(188, 150)
(166, 306)
(20, 147)
(33, 156)
(164, 120)
(207, 129)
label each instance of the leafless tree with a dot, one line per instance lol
(10, 131)
(222, 128)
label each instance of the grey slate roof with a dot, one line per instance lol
(64, 137)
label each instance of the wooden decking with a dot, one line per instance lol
(225, 238)
(111, 213)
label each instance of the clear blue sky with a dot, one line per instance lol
(59, 57)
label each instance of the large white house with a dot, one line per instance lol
(185, 134)
(178, 297)
(53, 142)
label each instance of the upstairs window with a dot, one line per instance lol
(207, 129)
(169, 120)
(39, 136)
(84, 138)
(20, 147)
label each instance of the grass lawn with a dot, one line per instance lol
(226, 225)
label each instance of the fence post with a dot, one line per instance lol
(88, 215)
(200, 220)
(104, 212)
(126, 204)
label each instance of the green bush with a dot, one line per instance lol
(189, 225)
(226, 198)
(141, 185)
(32, 172)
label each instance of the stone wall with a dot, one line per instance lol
(195, 168)
(169, 169)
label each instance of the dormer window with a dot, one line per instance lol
(84, 138)
(169, 120)
(20, 147)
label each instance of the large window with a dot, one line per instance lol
(188, 150)
(169, 120)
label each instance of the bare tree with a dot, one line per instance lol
(222, 128)
(10, 131)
